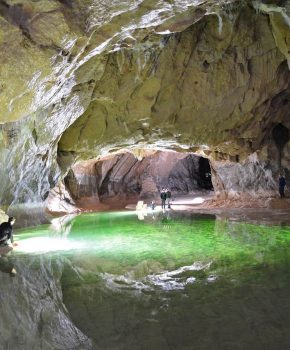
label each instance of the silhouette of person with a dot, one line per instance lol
(6, 231)
(168, 196)
(163, 197)
(282, 184)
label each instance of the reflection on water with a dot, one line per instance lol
(170, 281)
(7, 266)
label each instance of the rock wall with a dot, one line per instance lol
(125, 177)
(33, 315)
(80, 79)
(250, 180)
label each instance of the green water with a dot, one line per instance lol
(170, 281)
(171, 239)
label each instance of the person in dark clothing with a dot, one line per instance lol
(282, 184)
(163, 197)
(168, 196)
(6, 231)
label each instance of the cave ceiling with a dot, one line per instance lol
(84, 78)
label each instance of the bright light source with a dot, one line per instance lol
(46, 244)
(124, 213)
(198, 200)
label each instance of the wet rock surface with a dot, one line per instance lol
(33, 315)
(80, 79)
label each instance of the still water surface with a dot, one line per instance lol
(170, 281)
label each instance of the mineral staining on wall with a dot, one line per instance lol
(84, 78)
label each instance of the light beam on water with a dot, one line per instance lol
(173, 278)
(171, 239)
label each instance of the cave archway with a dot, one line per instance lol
(123, 176)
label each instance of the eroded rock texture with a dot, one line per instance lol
(33, 315)
(82, 78)
(125, 177)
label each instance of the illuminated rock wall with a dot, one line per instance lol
(124, 176)
(83, 78)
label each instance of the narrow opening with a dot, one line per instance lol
(205, 174)
(205, 64)
(280, 135)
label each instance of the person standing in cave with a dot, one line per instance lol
(163, 197)
(6, 232)
(282, 184)
(168, 196)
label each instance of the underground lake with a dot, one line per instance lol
(174, 280)
(112, 109)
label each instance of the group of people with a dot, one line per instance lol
(165, 193)
(6, 228)
(165, 196)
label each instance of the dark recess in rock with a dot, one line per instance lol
(281, 136)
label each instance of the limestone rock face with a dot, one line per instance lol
(80, 79)
(243, 181)
(60, 201)
(124, 176)
(33, 315)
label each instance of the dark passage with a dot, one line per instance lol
(192, 173)
(205, 174)
(280, 136)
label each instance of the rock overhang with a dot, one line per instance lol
(178, 77)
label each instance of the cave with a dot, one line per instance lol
(104, 104)
(124, 179)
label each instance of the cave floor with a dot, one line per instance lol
(276, 211)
